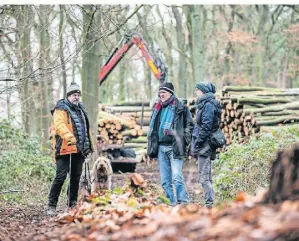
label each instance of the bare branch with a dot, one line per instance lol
(127, 19)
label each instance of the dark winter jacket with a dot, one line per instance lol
(71, 120)
(182, 131)
(207, 121)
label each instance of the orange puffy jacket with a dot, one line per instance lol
(62, 126)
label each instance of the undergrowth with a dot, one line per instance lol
(26, 169)
(246, 167)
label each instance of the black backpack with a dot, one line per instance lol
(217, 139)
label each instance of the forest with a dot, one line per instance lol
(249, 52)
(44, 48)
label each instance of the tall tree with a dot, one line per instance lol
(169, 45)
(182, 76)
(91, 63)
(122, 65)
(44, 61)
(145, 32)
(61, 48)
(197, 43)
(263, 12)
(24, 24)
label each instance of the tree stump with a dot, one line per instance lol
(284, 182)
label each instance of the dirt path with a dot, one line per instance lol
(28, 223)
(20, 222)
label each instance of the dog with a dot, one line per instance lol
(101, 174)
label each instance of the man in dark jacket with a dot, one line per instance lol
(72, 142)
(207, 121)
(169, 135)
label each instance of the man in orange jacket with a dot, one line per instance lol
(72, 142)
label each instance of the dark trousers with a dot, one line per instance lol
(205, 172)
(62, 168)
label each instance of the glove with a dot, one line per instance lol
(71, 141)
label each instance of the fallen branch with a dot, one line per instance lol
(9, 191)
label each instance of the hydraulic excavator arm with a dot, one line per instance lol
(155, 61)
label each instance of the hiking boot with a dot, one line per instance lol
(51, 211)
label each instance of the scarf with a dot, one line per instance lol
(167, 118)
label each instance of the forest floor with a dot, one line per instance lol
(25, 222)
(130, 216)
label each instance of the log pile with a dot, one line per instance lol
(245, 110)
(125, 124)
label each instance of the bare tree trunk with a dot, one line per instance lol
(218, 73)
(90, 64)
(44, 46)
(229, 47)
(197, 44)
(190, 83)
(285, 70)
(167, 51)
(263, 15)
(148, 75)
(122, 64)
(182, 80)
(61, 28)
(27, 95)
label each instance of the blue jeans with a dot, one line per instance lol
(171, 172)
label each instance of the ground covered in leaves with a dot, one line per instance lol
(132, 213)
(19, 222)
(137, 211)
(139, 216)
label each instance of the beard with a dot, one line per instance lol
(75, 102)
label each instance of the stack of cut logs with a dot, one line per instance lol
(247, 110)
(125, 123)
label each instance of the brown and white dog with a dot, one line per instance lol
(101, 174)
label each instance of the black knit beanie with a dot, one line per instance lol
(73, 88)
(167, 86)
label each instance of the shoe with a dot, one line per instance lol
(72, 204)
(209, 206)
(51, 211)
(183, 204)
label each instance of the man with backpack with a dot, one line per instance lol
(71, 144)
(206, 124)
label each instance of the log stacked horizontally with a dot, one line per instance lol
(125, 124)
(247, 110)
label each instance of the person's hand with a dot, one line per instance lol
(71, 141)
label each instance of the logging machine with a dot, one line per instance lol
(153, 58)
(125, 159)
